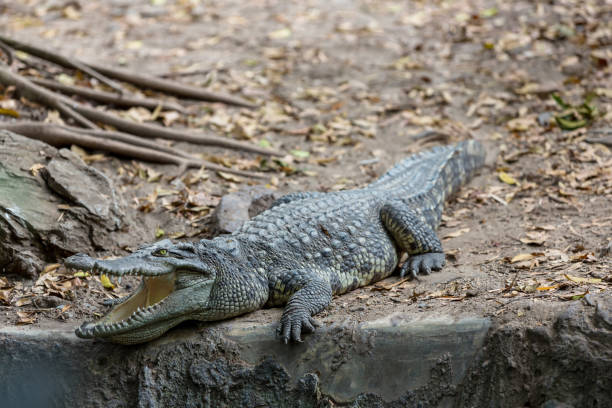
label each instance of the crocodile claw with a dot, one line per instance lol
(423, 264)
(293, 324)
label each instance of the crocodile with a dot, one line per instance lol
(307, 247)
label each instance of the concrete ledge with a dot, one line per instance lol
(387, 357)
(401, 360)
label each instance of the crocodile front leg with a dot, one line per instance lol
(413, 235)
(311, 294)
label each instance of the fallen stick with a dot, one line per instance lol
(8, 52)
(60, 136)
(123, 100)
(42, 95)
(600, 140)
(154, 131)
(31, 127)
(101, 73)
(60, 60)
(131, 139)
(85, 115)
(170, 87)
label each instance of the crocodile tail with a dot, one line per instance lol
(467, 157)
(441, 170)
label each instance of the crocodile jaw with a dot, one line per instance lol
(154, 308)
(147, 299)
(173, 289)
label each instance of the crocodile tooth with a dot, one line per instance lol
(119, 280)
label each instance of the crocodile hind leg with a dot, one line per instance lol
(311, 293)
(413, 234)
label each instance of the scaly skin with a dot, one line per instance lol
(304, 249)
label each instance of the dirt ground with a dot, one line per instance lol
(346, 89)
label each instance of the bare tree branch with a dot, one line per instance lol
(101, 73)
(61, 60)
(44, 96)
(123, 100)
(82, 113)
(154, 131)
(170, 87)
(60, 136)
(8, 52)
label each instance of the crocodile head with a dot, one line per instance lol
(177, 280)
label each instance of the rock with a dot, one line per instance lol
(471, 292)
(555, 404)
(98, 196)
(52, 205)
(603, 313)
(48, 301)
(236, 208)
(562, 362)
(545, 119)
(573, 66)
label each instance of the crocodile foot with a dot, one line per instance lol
(293, 323)
(423, 264)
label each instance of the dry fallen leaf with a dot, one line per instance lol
(545, 227)
(4, 283)
(506, 178)
(81, 274)
(5, 296)
(229, 177)
(544, 288)
(534, 238)
(524, 257)
(457, 233)
(50, 268)
(521, 124)
(106, 282)
(573, 296)
(280, 34)
(586, 257)
(25, 318)
(581, 280)
(9, 112)
(24, 301)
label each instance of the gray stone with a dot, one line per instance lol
(52, 205)
(236, 208)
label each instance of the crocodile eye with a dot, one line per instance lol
(161, 252)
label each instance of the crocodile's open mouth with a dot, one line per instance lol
(147, 298)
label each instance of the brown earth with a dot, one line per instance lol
(355, 85)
